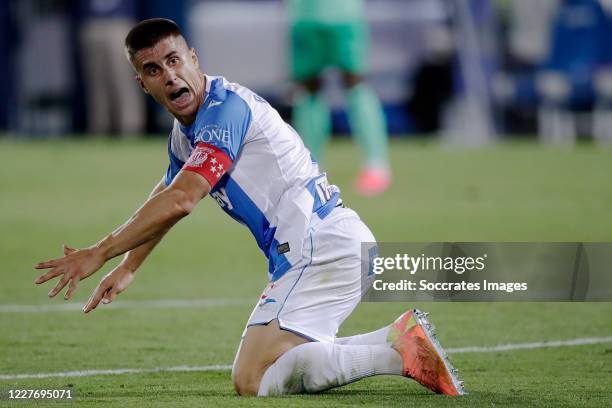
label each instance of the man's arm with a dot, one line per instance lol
(146, 227)
(134, 258)
(117, 280)
(158, 214)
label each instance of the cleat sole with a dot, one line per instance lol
(428, 330)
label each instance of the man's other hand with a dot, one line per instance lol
(75, 265)
(109, 287)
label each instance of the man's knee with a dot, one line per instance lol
(261, 347)
(246, 382)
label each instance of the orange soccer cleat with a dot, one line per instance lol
(412, 335)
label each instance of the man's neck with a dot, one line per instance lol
(200, 95)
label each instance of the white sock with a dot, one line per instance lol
(314, 367)
(376, 337)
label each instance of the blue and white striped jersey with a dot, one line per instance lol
(273, 185)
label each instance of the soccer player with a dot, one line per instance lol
(335, 34)
(229, 143)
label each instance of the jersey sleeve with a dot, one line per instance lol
(224, 123)
(218, 136)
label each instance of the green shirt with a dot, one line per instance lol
(326, 11)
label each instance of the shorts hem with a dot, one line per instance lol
(292, 329)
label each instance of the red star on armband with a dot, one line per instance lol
(209, 162)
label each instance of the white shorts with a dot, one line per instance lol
(315, 296)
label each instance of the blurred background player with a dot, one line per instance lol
(335, 34)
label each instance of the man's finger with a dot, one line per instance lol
(95, 298)
(68, 250)
(60, 285)
(110, 296)
(48, 264)
(49, 275)
(71, 288)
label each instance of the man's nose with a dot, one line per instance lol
(169, 76)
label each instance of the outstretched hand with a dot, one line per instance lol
(75, 265)
(109, 287)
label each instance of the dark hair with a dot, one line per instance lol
(149, 32)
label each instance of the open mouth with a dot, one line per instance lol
(180, 96)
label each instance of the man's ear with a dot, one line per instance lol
(142, 84)
(194, 57)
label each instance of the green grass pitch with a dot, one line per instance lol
(73, 192)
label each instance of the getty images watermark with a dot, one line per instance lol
(471, 271)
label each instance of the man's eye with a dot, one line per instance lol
(173, 60)
(153, 71)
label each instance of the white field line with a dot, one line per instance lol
(223, 367)
(529, 346)
(126, 304)
(88, 373)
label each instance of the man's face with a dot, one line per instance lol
(169, 72)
